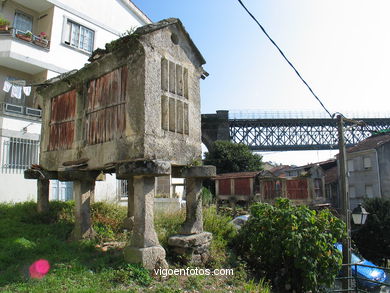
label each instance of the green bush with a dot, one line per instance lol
(107, 220)
(373, 238)
(168, 224)
(131, 273)
(207, 196)
(223, 233)
(292, 246)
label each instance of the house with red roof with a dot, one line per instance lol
(368, 165)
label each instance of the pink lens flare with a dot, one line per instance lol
(39, 269)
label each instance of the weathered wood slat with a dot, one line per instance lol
(106, 107)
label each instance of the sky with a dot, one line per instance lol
(341, 48)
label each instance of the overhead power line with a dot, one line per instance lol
(285, 58)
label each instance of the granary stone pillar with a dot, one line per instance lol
(144, 247)
(83, 194)
(128, 223)
(144, 234)
(42, 176)
(43, 195)
(192, 245)
(194, 215)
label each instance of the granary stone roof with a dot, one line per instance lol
(168, 22)
(144, 30)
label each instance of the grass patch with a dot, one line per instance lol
(26, 236)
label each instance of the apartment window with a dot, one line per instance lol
(61, 190)
(350, 166)
(18, 154)
(369, 191)
(23, 21)
(122, 189)
(79, 36)
(367, 163)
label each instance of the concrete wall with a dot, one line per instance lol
(93, 15)
(17, 188)
(106, 190)
(119, 19)
(359, 178)
(384, 169)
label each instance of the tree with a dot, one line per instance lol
(373, 239)
(292, 246)
(230, 157)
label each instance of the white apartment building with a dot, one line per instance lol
(46, 38)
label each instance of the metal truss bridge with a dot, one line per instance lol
(282, 131)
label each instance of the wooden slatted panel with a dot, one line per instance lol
(224, 187)
(269, 189)
(242, 186)
(297, 189)
(63, 111)
(106, 117)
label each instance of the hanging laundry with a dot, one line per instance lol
(16, 91)
(7, 86)
(27, 90)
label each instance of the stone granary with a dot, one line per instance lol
(134, 110)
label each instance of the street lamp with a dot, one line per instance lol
(359, 215)
(343, 183)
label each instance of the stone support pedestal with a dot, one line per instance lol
(83, 194)
(192, 249)
(144, 247)
(43, 195)
(192, 245)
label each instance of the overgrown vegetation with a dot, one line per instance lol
(373, 239)
(90, 266)
(231, 157)
(292, 246)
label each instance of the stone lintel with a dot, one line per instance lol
(149, 257)
(197, 172)
(78, 175)
(190, 240)
(40, 174)
(143, 168)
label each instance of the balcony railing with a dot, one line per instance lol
(37, 40)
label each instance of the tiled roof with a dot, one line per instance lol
(237, 175)
(372, 142)
(278, 170)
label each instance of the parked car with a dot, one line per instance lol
(365, 270)
(239, 221)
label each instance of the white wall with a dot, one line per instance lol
(114, 14)
(18, 189)
(106, 190)
(93, 15)
(18, 125)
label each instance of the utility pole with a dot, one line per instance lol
(343, 183)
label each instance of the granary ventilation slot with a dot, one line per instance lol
(174, 98)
